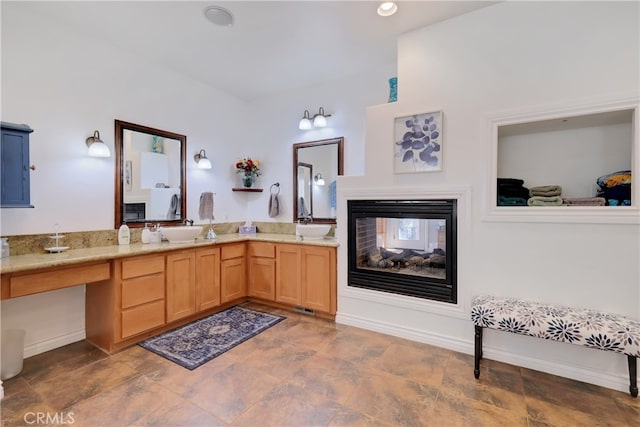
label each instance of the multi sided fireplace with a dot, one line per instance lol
(405, 247)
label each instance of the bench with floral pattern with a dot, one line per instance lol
(589, 328)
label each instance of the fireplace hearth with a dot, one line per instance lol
(405, 247)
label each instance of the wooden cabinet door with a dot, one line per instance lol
(288, 274)
(207, 278)
(233, 279)
(262, 278)
(319, 278)
(181, 285)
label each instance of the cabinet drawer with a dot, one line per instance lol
(232, 251)
(34, 283)
(142, 266)
(142, 318)
(262, 249)
(142, 289)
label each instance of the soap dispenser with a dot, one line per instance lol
(5, 248)
(146, 234)
(124, 235)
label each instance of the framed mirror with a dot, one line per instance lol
(316, 165)
(150, 176)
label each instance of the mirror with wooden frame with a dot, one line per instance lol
(316, 165)
(150, 176)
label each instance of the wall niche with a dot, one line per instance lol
(570, 146)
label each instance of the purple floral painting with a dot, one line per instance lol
(418, 143)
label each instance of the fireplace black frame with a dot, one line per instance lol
(444, 290)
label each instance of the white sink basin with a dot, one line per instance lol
(181, 234)
(312, 231)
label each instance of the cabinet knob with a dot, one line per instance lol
(32, 167)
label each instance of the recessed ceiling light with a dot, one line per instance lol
(219, 16)
(387, 8)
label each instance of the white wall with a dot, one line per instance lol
(275, 120)
(509, 56)
(65, 85)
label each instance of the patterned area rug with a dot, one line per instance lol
(195, 344)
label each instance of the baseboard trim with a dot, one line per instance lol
(599, 378)
(55, 342)
(412, 334)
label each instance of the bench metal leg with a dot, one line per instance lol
(633, 376)
(478, 351)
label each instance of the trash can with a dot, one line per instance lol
(12, 352)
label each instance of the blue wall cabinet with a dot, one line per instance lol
(14, 166)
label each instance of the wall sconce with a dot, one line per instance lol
(318, 179)
(202, 161)
(97, 148)
(318, 121)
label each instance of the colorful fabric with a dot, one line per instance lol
(589, 328)
(614, 179)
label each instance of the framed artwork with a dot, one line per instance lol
(418, 143)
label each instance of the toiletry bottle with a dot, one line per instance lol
(124, 235)
(5, 248)
(146, 234)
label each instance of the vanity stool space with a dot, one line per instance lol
(589, 328)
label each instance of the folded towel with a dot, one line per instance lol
(545, 201)
(174, 207)
(512, 182)
(545, 190)
(584, 201)
(205, 210)
(511, 201)
(274, 206)
(521, 192)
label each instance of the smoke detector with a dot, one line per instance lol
(219, 16)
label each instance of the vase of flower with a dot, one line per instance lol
(250, 170)
(247, 180)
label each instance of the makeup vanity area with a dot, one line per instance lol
(136, 291)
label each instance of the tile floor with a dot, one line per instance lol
(302, 372)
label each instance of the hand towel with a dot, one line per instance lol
(584, 201)
(274, 206)
(545, 190)
(545, 201)
(302, 208)
(205, 210)
(174, 207)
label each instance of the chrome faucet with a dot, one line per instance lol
(188, 222)
(306, 219)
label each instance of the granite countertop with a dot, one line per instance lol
(17, 263)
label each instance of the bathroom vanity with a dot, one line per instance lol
(136, 291)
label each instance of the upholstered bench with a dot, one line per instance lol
(578, 326)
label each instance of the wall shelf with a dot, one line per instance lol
(569, 145)
(248, 190)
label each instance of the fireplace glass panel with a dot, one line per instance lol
(411, 246)
(406, 247)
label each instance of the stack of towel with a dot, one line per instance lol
(545, 195)
(615, 188)
(511, 192)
